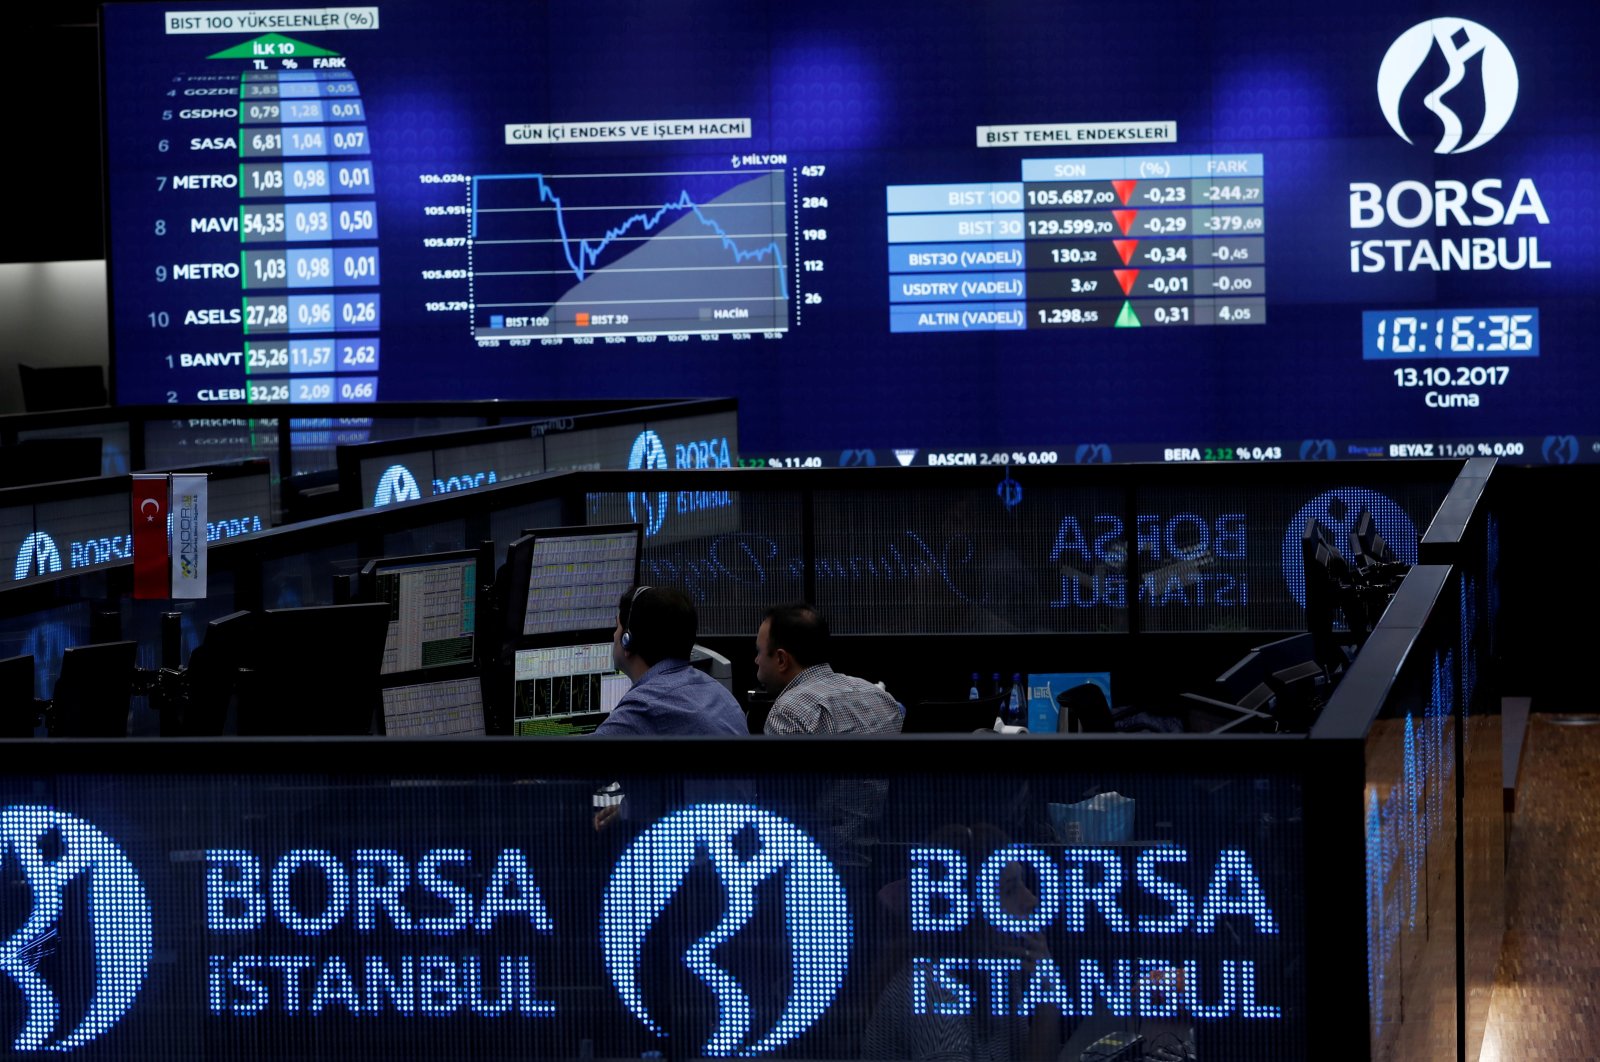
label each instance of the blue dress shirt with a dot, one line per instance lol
(674, 697)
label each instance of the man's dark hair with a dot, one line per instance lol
(801, 631)
(660, 623)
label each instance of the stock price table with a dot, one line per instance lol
(1082, 243)
(273, 203)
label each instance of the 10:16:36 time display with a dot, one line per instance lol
(1506, 333)
(1439, 333)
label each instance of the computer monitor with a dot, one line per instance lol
(1281, 678)
(714, 664)
(212, 672)
(558, 591)
(91, 697)
(1367, 546)
(432, 682)
(18, 712)
(45, 633)
(314, 670)
(451, 707)
(433, 608)
(954, 717)
(1245, 683)
(565, 689)
(564, 582)
(1325, 570)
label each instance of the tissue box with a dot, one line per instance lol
(1044, 689)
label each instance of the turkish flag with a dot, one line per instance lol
(149, 514)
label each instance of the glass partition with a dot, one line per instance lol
(735, 552)
(313, 903)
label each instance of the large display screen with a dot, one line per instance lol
(933, 232)
(309, 915)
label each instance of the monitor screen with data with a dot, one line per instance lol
(441, 708)
(565, 689)
(433, 610)
(432, 676)
(575, 577)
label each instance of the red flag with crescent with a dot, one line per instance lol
(149, 518)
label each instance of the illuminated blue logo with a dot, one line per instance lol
(467, 481)
(1338, 510)
(747, 846)
(648, 508)
(1459, 42)
(1316, 450)
(1010, 492)
(54, 849)
(1560, 449)
(858, 459)
(38, 556)
(396, 485)
(1092, 454)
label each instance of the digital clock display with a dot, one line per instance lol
(1502, 333)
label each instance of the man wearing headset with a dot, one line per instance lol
(655, 634)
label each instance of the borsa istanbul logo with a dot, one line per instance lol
(1431, 75)
(246, 894)
(57, 850)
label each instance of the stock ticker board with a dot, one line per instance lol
(931, 233)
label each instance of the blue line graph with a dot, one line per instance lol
(583, 254)
(618, 254)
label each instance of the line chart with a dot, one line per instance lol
(629, 253)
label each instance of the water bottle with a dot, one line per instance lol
(972, 694)
(996, 689)
(1018, 701)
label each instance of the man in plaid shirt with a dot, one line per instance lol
(792, 663)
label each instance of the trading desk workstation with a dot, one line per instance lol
(1279, 808)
